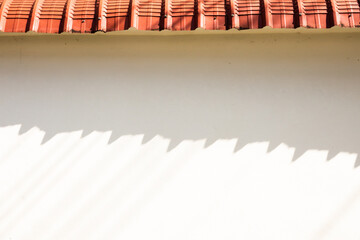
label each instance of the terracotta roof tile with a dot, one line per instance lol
(87, 16)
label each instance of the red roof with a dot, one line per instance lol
(85, 16)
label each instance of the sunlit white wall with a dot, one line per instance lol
(83, 188)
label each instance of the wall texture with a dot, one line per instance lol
(296, 87)
(231, 109)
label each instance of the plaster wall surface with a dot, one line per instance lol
(299, 87)
(259, 135)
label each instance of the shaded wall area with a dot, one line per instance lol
(296, 87)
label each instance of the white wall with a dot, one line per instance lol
(301, 88)
(249, 89)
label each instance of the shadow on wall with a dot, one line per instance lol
(281, 89)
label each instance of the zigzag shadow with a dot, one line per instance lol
(230, 145)
(275, 88)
